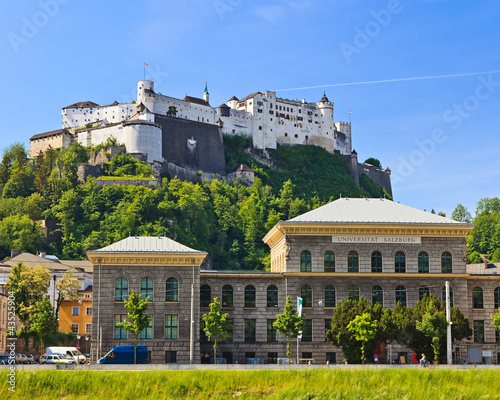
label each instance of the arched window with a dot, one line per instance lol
(227, 296)
(423, 263)
(401, 295)
(205, 296)
(250, 296)
(376, 261)
(172, 290)
(377, 295)
(330, 296)
(443, 295)
(352, 262)
(353, 293)
(446, 263)
(329, 261)
(423, 291)
(400, 262)
(496, 298)
(121, 289)
(306, 294)
(477, 298)
(147, 288)
(272, 296)
(305, 261)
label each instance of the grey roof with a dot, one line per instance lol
(52, 264)
(83, 104)
(480, 269)
(147, 244)
(373, 211)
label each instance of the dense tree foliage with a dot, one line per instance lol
(484, 239)
(419, 328)
(374, 161)
(226, 220)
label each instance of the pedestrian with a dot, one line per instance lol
(423, 360)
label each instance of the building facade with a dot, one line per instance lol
(347, 249)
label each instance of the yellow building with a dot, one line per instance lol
(76, 317)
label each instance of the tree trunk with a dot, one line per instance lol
(135, 349)
(215, 352)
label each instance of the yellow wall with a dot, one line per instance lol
(66, 319)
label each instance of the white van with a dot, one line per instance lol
(70, 351)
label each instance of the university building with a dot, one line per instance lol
(350, 248)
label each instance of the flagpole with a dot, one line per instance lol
(144, 71)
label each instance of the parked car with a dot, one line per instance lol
(70, 351)
(21, 358)
(31, 359)
(4, 359)
(57, 359)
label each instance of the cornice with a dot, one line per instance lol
(282, 229)
(144, 259)
(206, 274)
(373, 274)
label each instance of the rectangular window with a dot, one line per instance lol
(250, 330)
(328, 326)
(147, 332)
(497, 336)
(120, 332)
(88, 329)
(307, 355)
(272, 358)
(307, 331)
(171, 327)
(88, 310)
(170, 357)
(271, 331)
(479, 331)
(230, 332)
(75, 311)
(203, 334)
(74, 329)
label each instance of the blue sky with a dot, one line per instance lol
(438, 136)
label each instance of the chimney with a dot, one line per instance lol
(486, 262)
(41, 254)
(14, 252)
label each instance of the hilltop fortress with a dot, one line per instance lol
(189, 133)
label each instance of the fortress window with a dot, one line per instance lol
(296, 136)
(288, 109)
(227, 296)
(353, 293)
(272, 296)
(259, 110)
(443, 295)
(423, 291)
(205, 295)
(352, 262)
(250, 296)
(423, 263)
(401, 295)
(260, 128)
(329, 296)
(300, 110)
(376, 261)
(306, 294)
(172, 290)
(286, 134)
(477, 298)
(305, 261)
(446, 263)
(377, 295)
(400, 262)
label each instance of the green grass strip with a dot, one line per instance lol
(263, 384)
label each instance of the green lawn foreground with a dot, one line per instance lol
(263, 384)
